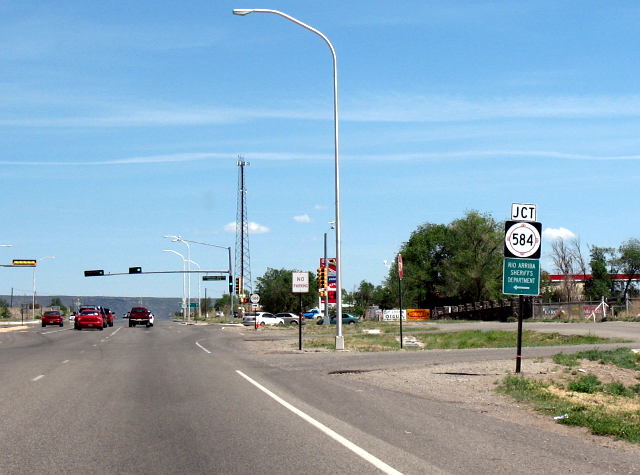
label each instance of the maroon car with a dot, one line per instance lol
(89, 319)
(140, 316)
(52, 317)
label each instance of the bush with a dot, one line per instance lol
(586, 384)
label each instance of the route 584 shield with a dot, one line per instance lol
(522, 239)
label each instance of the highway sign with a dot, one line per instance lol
(214, 277)
(300, 282)
(521, 276)
(254, 298)
(194, 304)
(522, 239)
(523, 212)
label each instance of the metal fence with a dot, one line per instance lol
(587, 310)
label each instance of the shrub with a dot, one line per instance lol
(586, 384)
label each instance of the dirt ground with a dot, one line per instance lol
(473, 386)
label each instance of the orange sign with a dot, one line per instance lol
(418, 314)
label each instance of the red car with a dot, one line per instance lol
(52, 317)
(89, 319)
(140, 316)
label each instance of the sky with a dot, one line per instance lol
(121, 122)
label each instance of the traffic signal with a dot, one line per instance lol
(239, 284)
(230, 284)
(24, 262)
(135, 270)
(94, 273)
(322, 277)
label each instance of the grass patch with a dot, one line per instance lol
(622, 422)
(586, 384)
(621, 357)
(357, 340)
(503, 339)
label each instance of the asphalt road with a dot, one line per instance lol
(191, 399)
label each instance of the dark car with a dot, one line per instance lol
(89, 319)
(347, 319)
(52, 317)
(140, 316)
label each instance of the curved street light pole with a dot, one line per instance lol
(184, 276)
(245, 11)
(179, 239)
(199, 286)
(228, 248)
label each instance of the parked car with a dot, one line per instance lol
(126, 315)
(313, 314)
(52, 317)
(347, 319)
(72, 316)
(89, 319)
(263, 318)
(140, 316)
(290, 318)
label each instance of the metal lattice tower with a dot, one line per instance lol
(243, 262)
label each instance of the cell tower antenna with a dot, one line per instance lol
(243, 261)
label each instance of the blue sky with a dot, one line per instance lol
(121, 122)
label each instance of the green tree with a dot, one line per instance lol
(600, 284)
(4, 308)
(629, 259)
(274, 288)
(473, 269)
(57, 302)
(423, 258)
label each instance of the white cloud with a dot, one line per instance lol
(319, 207)
(303, 218)
(558, 233)
(254, 228)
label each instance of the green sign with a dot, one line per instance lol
(214, 277)
(194, 304)
(521, 276)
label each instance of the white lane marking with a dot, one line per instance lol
(202, 347)
(65, 361)
(119, 328)
(55, 331)
(372, 459)
(38, 377)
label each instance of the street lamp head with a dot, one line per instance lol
(242, 11)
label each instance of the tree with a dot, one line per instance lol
(423, 257)
(600, 284)
(474, 267)
(567, 260)
(274, 288)
(56, 302)
(4, 308)
(629, 259)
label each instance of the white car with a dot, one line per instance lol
(263, 318)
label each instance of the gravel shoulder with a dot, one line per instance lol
(470, 384)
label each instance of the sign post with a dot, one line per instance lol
(400, 276)
(521, 265)
(300, 285)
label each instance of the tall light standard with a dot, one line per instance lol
(228, 248)
(33, 301)
(179, 239)
(184, 276)
(244, 11)
(199, 286)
